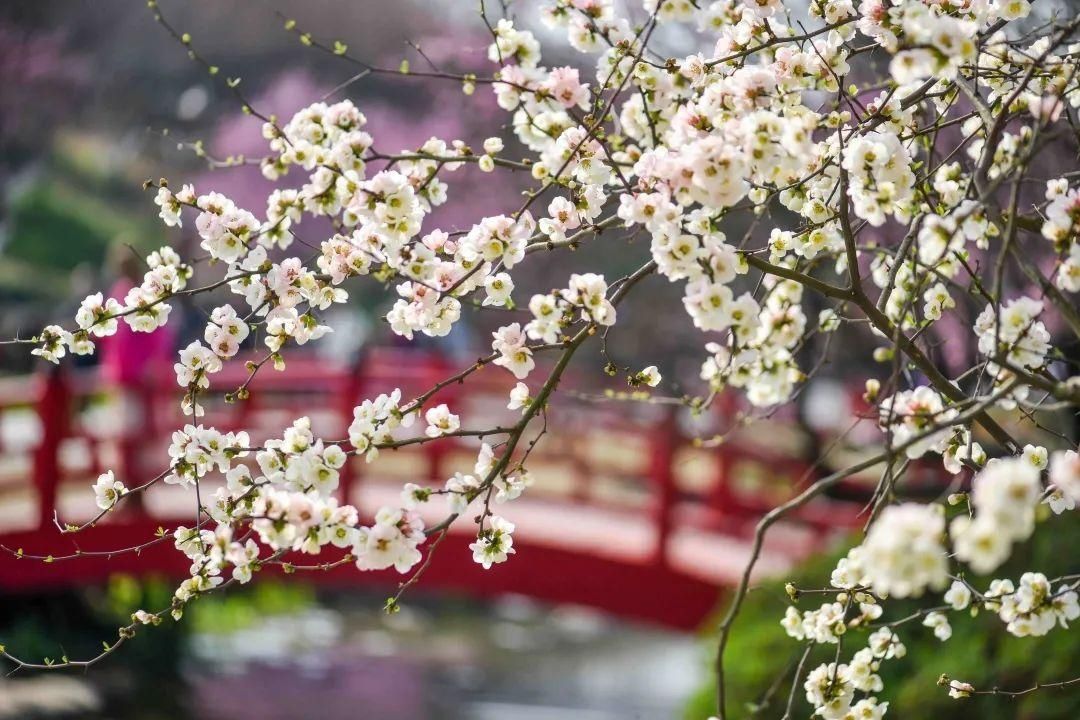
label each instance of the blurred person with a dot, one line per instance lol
(352, 332)
(133, 366)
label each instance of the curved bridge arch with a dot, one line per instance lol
(628, 515)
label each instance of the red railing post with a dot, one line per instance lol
(662, 471)
(721, 498)
(53, 410)
(129, 444)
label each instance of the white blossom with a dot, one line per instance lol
(903, 553)
(494, 543)
(108, 490)
(440, 421)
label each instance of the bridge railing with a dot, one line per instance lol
(640, 462)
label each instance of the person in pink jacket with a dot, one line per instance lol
(134, 368)
(132, 359)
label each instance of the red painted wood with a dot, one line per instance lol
(649, 593)
(662, 475)
(649, 588)
(54, 412)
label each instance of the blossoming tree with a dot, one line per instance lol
(909, 165)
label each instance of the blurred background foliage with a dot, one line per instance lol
(979, 652)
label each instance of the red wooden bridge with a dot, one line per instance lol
(627, 513)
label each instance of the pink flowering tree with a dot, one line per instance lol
(908, 168)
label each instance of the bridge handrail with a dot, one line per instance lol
(54, 394)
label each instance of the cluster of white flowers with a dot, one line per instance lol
(143, 309)
(939, 623)
(289, 503)
(514, 355)
(831, 687)
(498, 239)
(494, 543)
(387, 212)
(826, 624)
(97, 315)
(938, 43)
(1046, 96)
(903, 554)
(760, 356)
(440, 269)
(1033, 608)
(225, 332)
(391, 542)
(210, 552)
(710, 137)
(196, 450)
(171, 204)
(196, 364)
(374, 423)
(881, 180)
(319, 135)
(54, 342)
(1062, 228)
(960, 451)
(1064, 481)
(916, 420)
(225, 229)
(1015, 334)
(586, 294)
(1004, 497)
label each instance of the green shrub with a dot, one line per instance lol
(980, 651)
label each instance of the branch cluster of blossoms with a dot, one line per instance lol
(1062, 227)
(143, 309)
(907, 553)
(791, 191)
